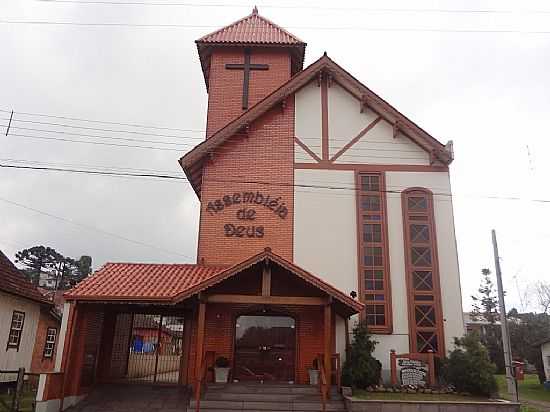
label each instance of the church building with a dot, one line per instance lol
(321, 205)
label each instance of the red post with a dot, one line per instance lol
(393, 367)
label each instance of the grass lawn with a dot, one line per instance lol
(529, 389)
(392, 396)
(26, 401)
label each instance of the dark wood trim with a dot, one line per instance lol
(48, 329)
(189, 326)
(384, 244)
(434, 268)
(16, 346)
(199, 349)
(327, 342)
(266, 280)
(371, 167)
(355, 139)
(307, 149)
(324, 118)
(267, 300)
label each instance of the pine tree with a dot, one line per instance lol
(361, 369)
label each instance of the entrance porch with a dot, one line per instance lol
(167, 325)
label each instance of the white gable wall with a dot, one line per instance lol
(307, 126)
(378, 146)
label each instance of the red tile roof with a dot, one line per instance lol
(172, 283)
(141, 281)
(14, 282)
(252, 29)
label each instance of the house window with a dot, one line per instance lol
(424, 296)
(49, 346)
(374, 286)
(16, 329)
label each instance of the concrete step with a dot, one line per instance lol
(219, 405)
(265, 397)
(266, 388)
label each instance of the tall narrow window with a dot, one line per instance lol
(49, 346)
(16, 329)
(424, 295)
(374, 283)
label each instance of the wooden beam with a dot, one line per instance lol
(348, 145)
(327, 349)
(267, 300)
(266, 280)
(199, 350)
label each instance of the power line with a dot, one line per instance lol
(257, 182)
(80, 119)
(92, 228)
(95, 143)
(102, 137)
(271, 6)
(341, 28)
(72, 126)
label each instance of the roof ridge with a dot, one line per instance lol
(254, 14)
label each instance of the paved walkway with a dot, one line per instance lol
(133, 398)
(540, 405)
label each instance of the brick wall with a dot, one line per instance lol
(226, 86)
(220, 334)
(39, 363)
(264, 155)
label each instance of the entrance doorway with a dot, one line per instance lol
(265, 348)
(147, 348)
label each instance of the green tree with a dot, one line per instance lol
(361, 369)
(468, 367)
(42, 261)
(37, 261)
(485, 308)
(526, 331)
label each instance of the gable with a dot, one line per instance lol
(324, 68)
(346, 121)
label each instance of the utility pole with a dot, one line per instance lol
(510, 376)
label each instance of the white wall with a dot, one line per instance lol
(62, 336)
(325, 243)
(545, 349)
(439, 184)
(325, 229)
(12, 359)
(378, 146)
(307, 126)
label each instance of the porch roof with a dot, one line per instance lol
(173, 283)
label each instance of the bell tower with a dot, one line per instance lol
(244, 62)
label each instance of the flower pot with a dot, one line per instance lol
(313, 376)
(221, 375)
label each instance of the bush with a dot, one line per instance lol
(361, 369)
(469, 368)
(222, 362)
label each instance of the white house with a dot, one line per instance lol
(29, 326)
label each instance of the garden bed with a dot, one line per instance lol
(367, 401)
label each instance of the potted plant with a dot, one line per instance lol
(221, 369)
(314, 374)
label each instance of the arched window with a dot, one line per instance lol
(374, 273)
(422, 272)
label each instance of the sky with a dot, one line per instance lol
(475, 72)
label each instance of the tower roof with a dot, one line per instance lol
(251, 31)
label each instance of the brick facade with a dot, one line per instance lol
(39, 363)
(245, 164)
(226, 86)
(220, 334)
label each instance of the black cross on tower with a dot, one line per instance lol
(247, 66)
